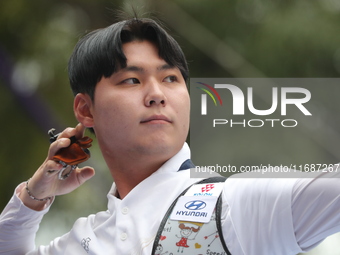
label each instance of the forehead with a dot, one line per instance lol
(140, 50)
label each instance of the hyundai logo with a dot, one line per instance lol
(195, 205)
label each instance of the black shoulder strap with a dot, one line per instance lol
(218, 214)
(219, 224)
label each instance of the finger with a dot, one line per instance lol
(67, 133)
(63, 140)
(76, 178)
(57, 145)
(84, 174)
(79, 131)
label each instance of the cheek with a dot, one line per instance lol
(104, 111)
(115, 112)
(182, 106)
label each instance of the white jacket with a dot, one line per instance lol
(260, 216)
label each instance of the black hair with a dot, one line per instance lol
(100, 53)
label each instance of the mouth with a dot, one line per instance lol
(156, 119)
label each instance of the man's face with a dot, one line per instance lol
(143, 109)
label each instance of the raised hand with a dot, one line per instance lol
(45, 183)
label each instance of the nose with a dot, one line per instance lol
(155, 95)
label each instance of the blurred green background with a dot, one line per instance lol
(244, 38)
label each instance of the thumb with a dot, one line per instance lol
(84, 174)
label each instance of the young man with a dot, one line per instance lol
(129, 81)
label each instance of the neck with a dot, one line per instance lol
(129, 174)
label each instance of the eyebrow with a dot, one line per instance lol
(165, 67)
(141, 70)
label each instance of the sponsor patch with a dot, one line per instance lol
(194, 208)
(207, 189)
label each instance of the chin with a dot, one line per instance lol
(166, 150)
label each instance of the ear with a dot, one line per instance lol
(82, 108)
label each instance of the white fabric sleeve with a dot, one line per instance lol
(18, 225)
(282, 215)
(258, 216)
(316, 208)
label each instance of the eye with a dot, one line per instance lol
(171, 78)
(130, 81)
